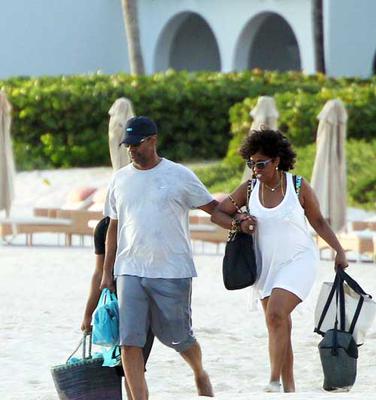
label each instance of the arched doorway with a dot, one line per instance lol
(187, 43)
(267, 42)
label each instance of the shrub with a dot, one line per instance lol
(298, 115)
(62, 121)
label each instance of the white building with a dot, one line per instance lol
(49, 37)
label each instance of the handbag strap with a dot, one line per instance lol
(359, 306)
(250, 185)
(327, 304)
(297, 183)
(341, 295)
(356, 314)
(238, 210)
(338, 289)
(353, 284)
(334, 349)
(358, 290)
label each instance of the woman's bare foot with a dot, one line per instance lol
(204, 387)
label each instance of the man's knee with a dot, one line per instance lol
(178, 345)
(129, 351)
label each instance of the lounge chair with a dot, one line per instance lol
(79, 198)
(10, 227)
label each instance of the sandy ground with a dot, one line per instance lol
(43, 290)
(43, 293)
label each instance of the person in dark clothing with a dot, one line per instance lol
(100, 233)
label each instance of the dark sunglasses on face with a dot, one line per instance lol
(259, 164)
(139, 143)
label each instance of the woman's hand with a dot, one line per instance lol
(107, 282)
(86, 324)
(340, 261)
(247, 223)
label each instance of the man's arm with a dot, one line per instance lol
(209, 208)
(109, 260)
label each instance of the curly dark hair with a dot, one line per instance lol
(271, 143)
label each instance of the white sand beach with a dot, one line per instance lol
(43, 291)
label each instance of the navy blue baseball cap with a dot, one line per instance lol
(137, 129)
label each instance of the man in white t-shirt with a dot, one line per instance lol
(148, 251)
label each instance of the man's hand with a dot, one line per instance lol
(107, 282)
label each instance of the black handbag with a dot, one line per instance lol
(338, 350)
(86, 379)
(239, 263)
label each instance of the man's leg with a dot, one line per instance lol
(133, 328)
(172, 324)
(127, 390)
(133, 362)
(193, 357)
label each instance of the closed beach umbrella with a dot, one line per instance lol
(119, 113)
(265, 115)
(7, 169)
(329, 170)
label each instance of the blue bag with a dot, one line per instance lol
(106, 320)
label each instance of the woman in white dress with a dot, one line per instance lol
(285, 252)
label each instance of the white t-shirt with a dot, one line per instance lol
(152, 208)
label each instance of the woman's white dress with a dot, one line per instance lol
(284, 247)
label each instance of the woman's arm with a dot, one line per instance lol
(109, 260)
(225, 213)
(319, 224)
(94, 293)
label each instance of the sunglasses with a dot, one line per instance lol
(259, 164)
(145, 139)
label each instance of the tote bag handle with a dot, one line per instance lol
(338, 289)
(327, 304)
(82, 343)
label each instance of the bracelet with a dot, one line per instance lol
(235, 225)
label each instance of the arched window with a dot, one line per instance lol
(267, 42)
(187, 43)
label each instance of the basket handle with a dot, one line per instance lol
(83, 344)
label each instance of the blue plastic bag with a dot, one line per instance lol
(106, 320)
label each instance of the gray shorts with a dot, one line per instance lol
(162, 304)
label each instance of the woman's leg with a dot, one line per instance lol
(287, 372)
(278, 308)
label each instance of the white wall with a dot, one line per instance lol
(350, 37)
(227, 22)
(51, 37)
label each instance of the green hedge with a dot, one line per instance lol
(62, 121)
